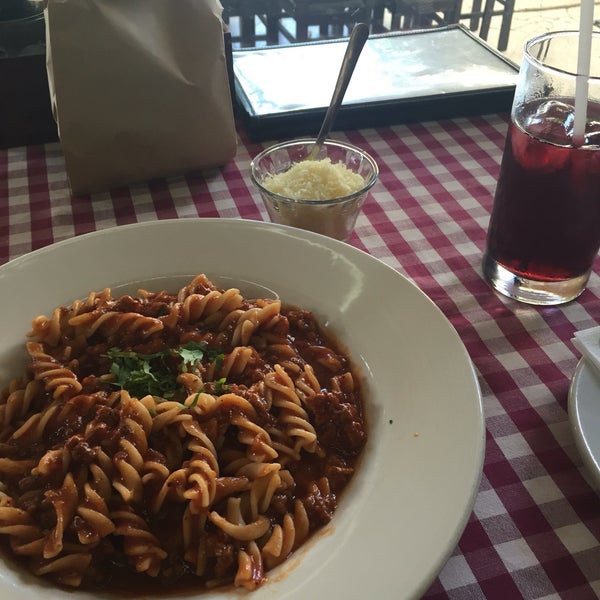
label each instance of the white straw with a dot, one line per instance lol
(586, 22)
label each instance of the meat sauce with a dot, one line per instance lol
(337, 416)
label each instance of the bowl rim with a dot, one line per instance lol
(328, 142)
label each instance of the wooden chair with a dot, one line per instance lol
(505, 10)
(414, 14)
(474, 15)
(269, 11)
(331, 16)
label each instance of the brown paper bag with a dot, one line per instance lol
(139, 89)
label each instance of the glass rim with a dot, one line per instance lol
(305, 141)
(552, 35)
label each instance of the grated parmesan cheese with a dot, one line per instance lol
(315, 180)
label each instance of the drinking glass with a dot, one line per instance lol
(544, 231)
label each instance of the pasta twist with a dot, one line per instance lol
(51, 330)
(194, 483)
(172, 489)
(264, 316)
(201, 485)
(27, 538)
(100, 475)
(208, 404)
(234, 525)
(201, 306)
(306, 383)
(199, 285)
(191, 382)
(286, 537)
(283, 444)
(58, 380)
(250, 572)
(140, 545)
(15, 403)
(265, 481)
(137, 414)
(64, 500)
(128, 464)
(259, 447)
(291, 413)
(68, 569)
(112, 323)
(94, 521)
(53, 461)
(233, 363)
(194, 540)
(168, 413)
(33, 428)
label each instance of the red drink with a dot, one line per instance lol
(545, 225)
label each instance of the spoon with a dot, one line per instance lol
(357, 40)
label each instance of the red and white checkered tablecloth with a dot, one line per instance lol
(535, 528)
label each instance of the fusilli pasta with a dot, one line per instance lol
(190, 438)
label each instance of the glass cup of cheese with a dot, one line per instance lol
(324, 194)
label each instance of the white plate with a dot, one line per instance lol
(584, 415)
(405, 509)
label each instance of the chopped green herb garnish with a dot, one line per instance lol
(142, 374)
(192, 353)
(156, 374)
(195, 400)
(220, 386)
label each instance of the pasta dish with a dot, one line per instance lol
(191, 438)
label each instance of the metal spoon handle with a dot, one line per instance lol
(357, 40)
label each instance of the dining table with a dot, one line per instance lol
(534, 528)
